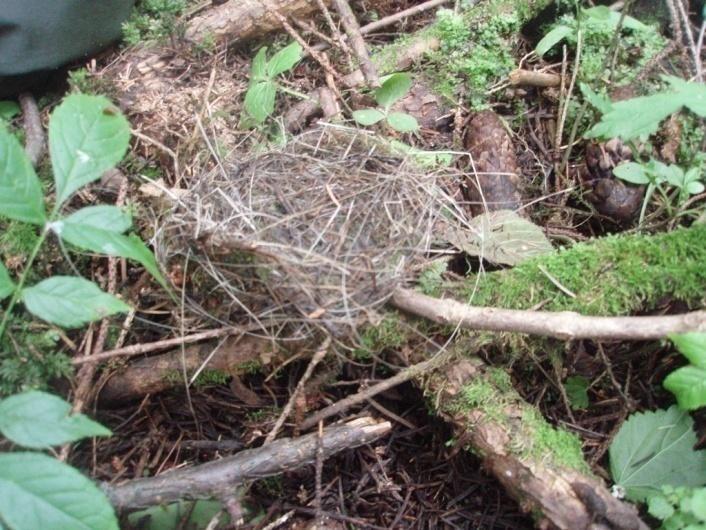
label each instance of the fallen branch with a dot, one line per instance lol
(216, 479)
(565, 325)
(350, 24)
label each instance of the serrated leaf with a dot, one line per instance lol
(368, 117)
(21, 195)
(260, 100)
(632, 172)
(551, 39)
(402, 122)
(110, 243)
(87, 136)
(284, 60)
(577, 391)
(393, 89)
(40, 420)
(70, 301)
(8, 110)
(692, 346)
(688, 384)
(39, 492)
(6, 284)
(653, 449)
(258, 71)
(104, 217)
(501, 237)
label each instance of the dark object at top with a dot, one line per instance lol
(40, 35)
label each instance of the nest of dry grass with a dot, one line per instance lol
(319, 231)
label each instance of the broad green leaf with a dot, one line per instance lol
(501, 237)
(692, 95)
(70, 302)
(20, 192)
(402, 122)
(260, 100)
(694, 188)
(393, 89)
(104, 217)
(171, 516)
(653, 449)
(8, 110)
(39, 492)
(368, 117)
(6, 284)
(612, 18)
(40, 420)
(258, 71)
(688, 384)
(600, 101)
(632, 172)
(692, 346)
(576, 388)
(284, 60)
(108, 242)
(87, 136)
(698, 504)
(551, 39)
(659, 507)
(635, 117)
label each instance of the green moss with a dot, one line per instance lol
(563, 446)
(390, 332)
(252, 366)
(153, 20)
(430, 280)
(17, 239)
(615, 275)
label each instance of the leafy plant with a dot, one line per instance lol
(37, 491)
(688, 383)
(153, 20)
(392, 90)
(8, 110)
(679, 508)
(87, 136)
(262, 92)
(655, 449)
(576, 388)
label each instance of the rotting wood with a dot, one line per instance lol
(218, 478)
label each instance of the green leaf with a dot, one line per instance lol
(576, 388)
(110, 218)
(20, 192)
(39, 492)
(258, 72)
(632, 172)
(653, 449)
(8, 110)
(6, 284)
(698, 504)
(599, 100)
(368, 117)
(171, 516)
(402, 122)
(284, 60)
(659, 507)
(260, 100)
(87, 136)
(688, 384)
(692, 346)
(694, 188)
(692, 95)
(551, 39)
(40, 420)
(393, 89)
(70, 302)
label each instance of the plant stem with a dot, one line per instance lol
(23, 278)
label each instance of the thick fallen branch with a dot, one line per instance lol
(217, 479)
(565, 325)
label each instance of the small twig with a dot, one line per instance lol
(565, 325)
(35, 143)
(350, 24)
(319, 472)
(315, 360)
(396, 17)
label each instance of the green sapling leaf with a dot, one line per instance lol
(104, 217)
(576, 388)
(37, 491)
(632, 172)
(551, 39)
(6, 284)
(402, 122)
(368, 117)
(284, 60)
(40, 420)
(70, 302)
(260, 100)
(87, 136)
(688, 383)
(393, 89)
(20, 191)
(258, 71)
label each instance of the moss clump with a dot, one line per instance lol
(153, 20)
(563, 446)
(252, 366)
(615, 275)
(390, 332)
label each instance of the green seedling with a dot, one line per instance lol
(688, 383)
(392, 90)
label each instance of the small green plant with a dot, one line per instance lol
(262, 92)
(87, 136)
(394, 88)
(688, 383)
(36, 490)
(153, 20)
(679, 508)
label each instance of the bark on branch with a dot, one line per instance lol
(219, 478)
